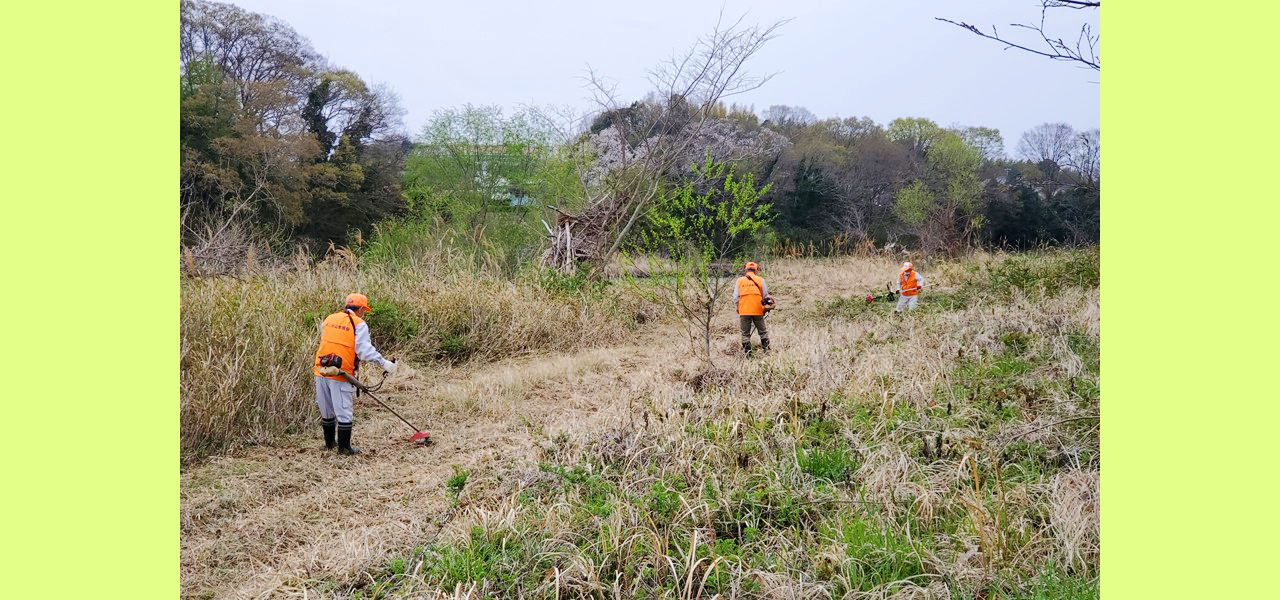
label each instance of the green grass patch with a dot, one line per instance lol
(1086, 347)
(457, 481)
(835, 465)
(876, 556)
(501, 557)
(392, 323)
(1051, 271)
(1027, 462)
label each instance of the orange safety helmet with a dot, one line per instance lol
(358, 301)
(752, 266)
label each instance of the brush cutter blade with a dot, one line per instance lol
(419, 436)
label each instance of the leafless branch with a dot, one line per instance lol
(1084, 51)
(653, 136)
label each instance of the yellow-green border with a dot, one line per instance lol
(90, 427)
(1188, 336)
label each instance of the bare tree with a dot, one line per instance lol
(1050, 146)
(651, 138)
(789, 119)
(1086, 158)
(987, 140)
(263, 56)
(1084, 51)
(1048, 141)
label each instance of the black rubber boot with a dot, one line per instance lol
(746, 348)
(344, 440)
(330, 427)
(764, 343)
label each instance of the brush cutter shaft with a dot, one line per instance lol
(352, 381)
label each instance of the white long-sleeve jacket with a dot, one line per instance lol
(364, 346)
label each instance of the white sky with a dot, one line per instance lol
(883, 59)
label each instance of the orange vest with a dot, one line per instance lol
(750, 298)
(908, 283)
(338, 336)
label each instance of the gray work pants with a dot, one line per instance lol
(334, 398)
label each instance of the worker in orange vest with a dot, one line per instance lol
(751, 295)
(910, 282)
(344, 335)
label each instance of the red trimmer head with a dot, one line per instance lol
(421, 436)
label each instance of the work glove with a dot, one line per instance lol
(389, 367)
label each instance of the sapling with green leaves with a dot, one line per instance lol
(695, 235)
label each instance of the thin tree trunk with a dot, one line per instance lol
(706, 338)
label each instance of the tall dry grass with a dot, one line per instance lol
(247, 343)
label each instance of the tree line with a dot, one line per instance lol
(276, 140)
(279, 145)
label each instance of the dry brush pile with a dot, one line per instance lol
(953, 453)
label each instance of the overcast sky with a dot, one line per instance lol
(883, 59)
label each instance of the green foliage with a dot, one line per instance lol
(457, 481)
(663, 499)
(709, 221)
(1086, 347)
(490, 556)
(914, 203)
(392, 323)
(1049, 584)
(847, 307)
(1017, 216)
(947, 187)
(917, 134)
(812, 197)
(257, 123)
(856, 306)
(835, 465)
(1015, 342)
(880, 555)
(1051, 271)
(455, 347)
(573, 284)
(473, 162)
(592, 494)
(1027, 462)
(942, 204)
(955, 165)
(986, 140)
(478, 180)
(716, 224)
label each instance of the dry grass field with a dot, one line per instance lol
(949, 453)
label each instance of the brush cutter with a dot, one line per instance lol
(418, 434)
(891, 295)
